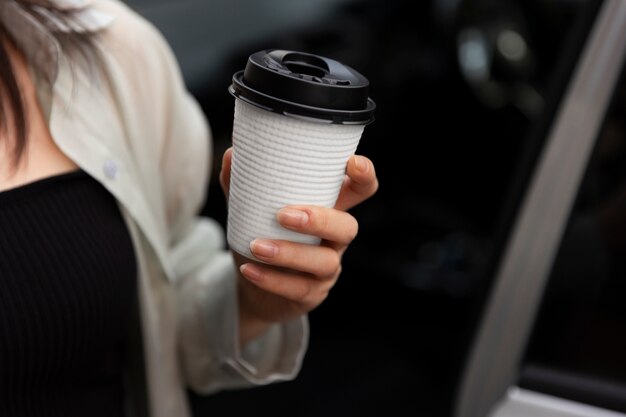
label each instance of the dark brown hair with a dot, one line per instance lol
(75, 44)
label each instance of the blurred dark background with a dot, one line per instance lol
(466, 91)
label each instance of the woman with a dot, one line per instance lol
(114, 294)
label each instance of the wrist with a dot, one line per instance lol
(251, 326)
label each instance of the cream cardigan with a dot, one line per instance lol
(136, 129)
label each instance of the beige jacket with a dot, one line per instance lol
(139, 132)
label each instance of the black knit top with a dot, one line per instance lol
(67, 284)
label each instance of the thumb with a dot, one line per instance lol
(225, 171)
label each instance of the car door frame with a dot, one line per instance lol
(490, 374)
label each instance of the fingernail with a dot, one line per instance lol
(251, 272)
(361, 164)
(263, 248)
(292, 217)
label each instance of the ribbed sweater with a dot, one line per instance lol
(67, 284)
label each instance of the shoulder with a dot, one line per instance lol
(137, 48)
(128, 26)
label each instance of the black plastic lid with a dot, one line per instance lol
(304, 85)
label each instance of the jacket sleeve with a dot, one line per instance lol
(205, 279)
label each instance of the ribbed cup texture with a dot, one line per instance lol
(280, 161)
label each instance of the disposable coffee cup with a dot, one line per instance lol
(298, 118)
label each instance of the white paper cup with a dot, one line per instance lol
(279, 161)
(298, 119)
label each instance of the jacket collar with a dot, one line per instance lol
(88, 129)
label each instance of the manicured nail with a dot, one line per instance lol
(251, 272)
(263, 248)
(293, 217)
(361, 164)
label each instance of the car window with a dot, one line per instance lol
(577, 347)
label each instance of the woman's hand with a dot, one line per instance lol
(295, 278)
